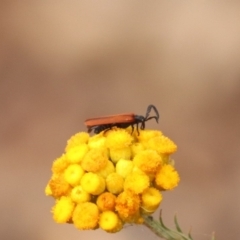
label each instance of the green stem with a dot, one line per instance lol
(162, 231)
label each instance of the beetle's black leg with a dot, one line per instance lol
(100, 128)
(132, 128)
(143, 125)
(89, 129)
(107, 129)
(137, 128)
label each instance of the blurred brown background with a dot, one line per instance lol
(62, 62)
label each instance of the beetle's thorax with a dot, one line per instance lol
(139, 118)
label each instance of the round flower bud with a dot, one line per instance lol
(151, 198)
(97, 141)
(73, 174)
(93, 183)
(136, 182)
(109, 168)
(114, 183)
(106, 201)
(76, 140)
(85, 216)
(146, 135)
(167, 177)
(63, 209)
(60, 164)
(95, 160)
(78, 195)
(120, 153)
(148, 161)
(76, 153)
(162, 145)
(118, 138)
(58, 186)
(127, 206)
(110, 222)
(124, 167)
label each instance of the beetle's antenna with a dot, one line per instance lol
(148, 112)
(152, 118)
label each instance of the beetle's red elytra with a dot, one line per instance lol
(120, 120)
(126, 117)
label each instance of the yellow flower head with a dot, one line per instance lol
(95, 160)
(76, 140)
(167, 177)
(136, 182)
(73, 174)
(137, 147)
(76, 153)
(127, 206)
(148, 161)
(110, 222)
(106, 201)
(124, 167)
(118, 138)
(146, 135)
(120, 153)
(111, 178)
(62, 211)
(85, 216)
(109, 168)
(60, 164)
(93, 183)
(114, 183)
(162, 145)
(59, 187)
(97, 141)
(151, 198)
(78, 195)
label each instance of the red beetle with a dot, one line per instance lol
(121, 120)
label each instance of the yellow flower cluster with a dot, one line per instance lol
(111, 178)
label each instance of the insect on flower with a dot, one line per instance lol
(121, 121)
